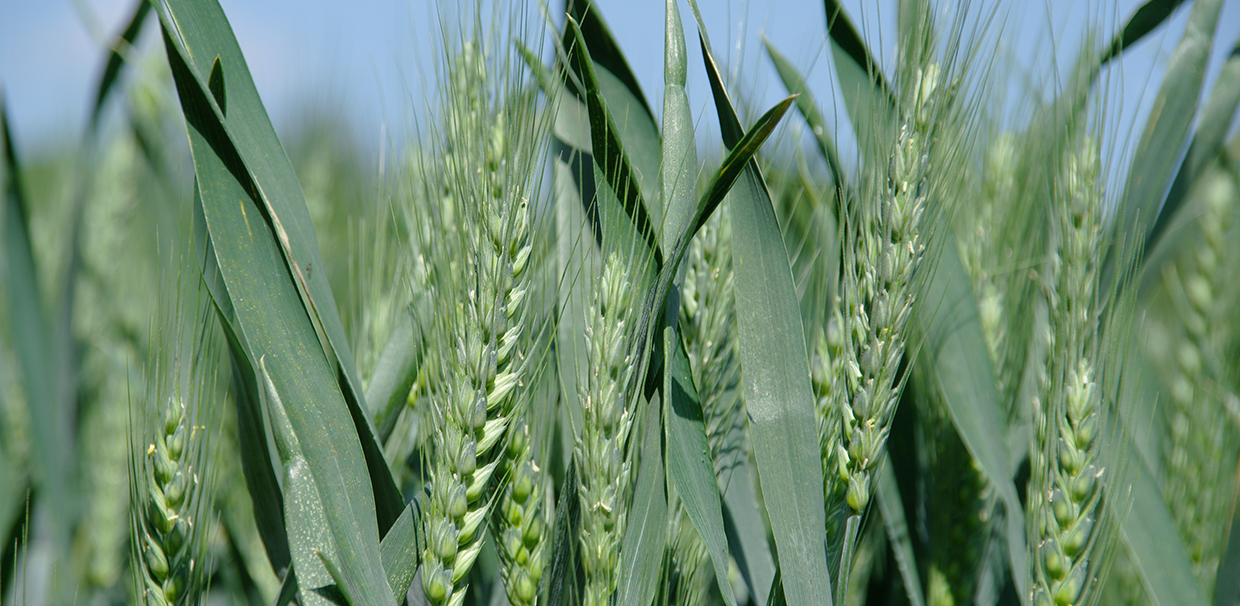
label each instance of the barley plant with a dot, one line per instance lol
(957, 329)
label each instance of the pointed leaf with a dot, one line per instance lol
(116, 60)
(199, 35)
(1164, 138)
(747, 532)
(958, 366)
(401, 550)
(808, 107)
(892, 507)
(645, 534)
(689, 466)
(1151, 15)
(775, 374)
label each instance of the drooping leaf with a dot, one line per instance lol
(213, 69)
(605, 50)
(116, 60)
(645, 534)
(689, 465)
(1151, 15)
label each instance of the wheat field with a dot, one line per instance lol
(954, 345)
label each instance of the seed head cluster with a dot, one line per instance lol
(601, 448)
(1066, 486)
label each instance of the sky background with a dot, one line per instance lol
(369, 60)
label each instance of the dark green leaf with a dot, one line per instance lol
(397, 368)
(645, 534)
(609, 153)
(1207, 142)
(775, 373)
(199, 34)
(1151, 15)
(747, 532)
(892, 507)
(401, 550)
(604, 49)
(116, 60)
(958, 366)
(33, 345)
(867, 96)
(562, 572)
(689, 466)
(679, 164)
(1227, 583)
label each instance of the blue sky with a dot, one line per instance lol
(368, 59)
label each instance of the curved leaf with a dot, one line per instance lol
(116, 60)
(1151, 15)
(808, 107)
(213, 69)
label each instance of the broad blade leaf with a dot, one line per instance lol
(401, 550)
(747, 532)
(1154, 544)
(775, 374)
(645, 535)
(1163, 140)
(214, 69)
(689, 466)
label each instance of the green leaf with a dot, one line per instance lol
(605, 50)
(1151, 15)
(321, 517)
(609, 154)
(746, 531)
(689, 466)
(34, 346)
(958, 366)
(397, 369)
(867, 96)
(562, 572)
(892, 508)
(1206, 145)
(1164, 137)
(1227, 580)
(679, 165)
(808, 107)
(645, 534)
(1154, 544)
(199, 35)
(401, 550)
(116, 60)
(775, 374)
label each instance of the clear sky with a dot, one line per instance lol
(368, 59)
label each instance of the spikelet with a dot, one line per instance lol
(483, 280)
(885, 249)
(1201, 451)
(603, 483)
(520, 522)
(1066, 487)
(708, 328)
(169, 480)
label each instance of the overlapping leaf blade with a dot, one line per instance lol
(775, 374)
(689, 466)
(645, 534)
(213, 64)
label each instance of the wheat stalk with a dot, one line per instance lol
(1066, 487)
(603, 483)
